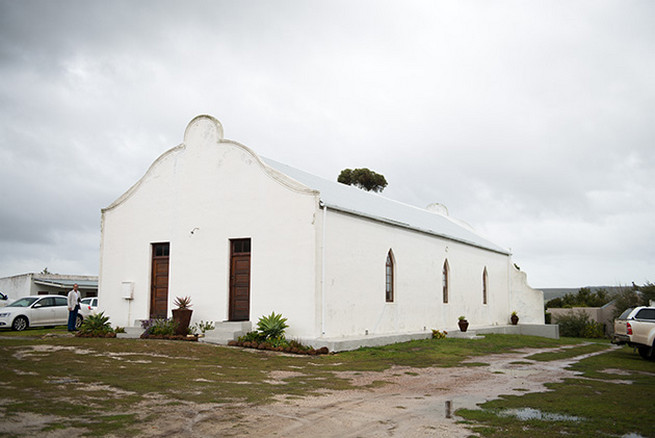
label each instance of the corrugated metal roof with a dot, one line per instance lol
(374, 206)
(67, 283)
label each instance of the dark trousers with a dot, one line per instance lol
(72, 318)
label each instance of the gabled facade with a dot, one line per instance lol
(245, 236)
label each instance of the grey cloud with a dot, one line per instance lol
(531, 121)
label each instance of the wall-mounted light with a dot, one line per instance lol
(194, 230)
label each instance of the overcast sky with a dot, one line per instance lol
(534, 121)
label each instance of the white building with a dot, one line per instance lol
(245, 236)
(31, 283)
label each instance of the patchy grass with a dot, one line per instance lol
(567, 353)
(90, 383)
(604, 400)
(447, 352)
(36, 332)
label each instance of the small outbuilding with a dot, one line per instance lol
(47, 284)
(244, 236)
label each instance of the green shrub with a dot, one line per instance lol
(578, 325)
(297, 345)
(593, 330)
(202, 327)
(436, 334)
(96, 325)
(272, 326)
(251, 337)
(159, 327)
(278, 342)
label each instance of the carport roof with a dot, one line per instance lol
(67, 283)
(355, 201)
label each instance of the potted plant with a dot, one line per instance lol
(463, 323)
(514, 318)
(182, 315)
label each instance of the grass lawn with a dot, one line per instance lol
(612, 397)
(97, 385)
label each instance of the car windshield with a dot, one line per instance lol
(625, 314)
(23, 302)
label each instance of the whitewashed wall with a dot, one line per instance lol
(526, 301)
(220, 190)
(325, 272)
(17, 286)
(355, 257)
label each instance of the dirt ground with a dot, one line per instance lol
(412, 404)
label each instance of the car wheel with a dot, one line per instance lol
(78, 322)
(20, 324)
(645, 352)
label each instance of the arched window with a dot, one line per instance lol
(485, 285)
(389, 278)
(445, 280)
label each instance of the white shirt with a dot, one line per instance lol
(73, 299)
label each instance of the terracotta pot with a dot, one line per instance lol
(463, 324)
(515, 319)
(183, 318)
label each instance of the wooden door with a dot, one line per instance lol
(159, 281)
(239, 280)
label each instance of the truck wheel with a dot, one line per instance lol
(20, 324)
(645, 352)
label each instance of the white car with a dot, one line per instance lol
(35, 311)
(88, 306)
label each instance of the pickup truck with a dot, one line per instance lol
(636, 327)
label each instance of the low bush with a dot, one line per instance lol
(159, 327)
(272, 326)
(578, 325)
(270, 336)
(96, 326)
(202, 327)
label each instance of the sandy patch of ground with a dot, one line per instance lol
(412, 404)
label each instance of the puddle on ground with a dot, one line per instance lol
(525, 414)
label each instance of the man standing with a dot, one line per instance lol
(73, 306)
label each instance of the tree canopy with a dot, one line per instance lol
(363, 178)
(629, 296)
(585, 297)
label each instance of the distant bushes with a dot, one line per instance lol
(585, 297)
(578, 325)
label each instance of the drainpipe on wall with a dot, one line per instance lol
(323, 269)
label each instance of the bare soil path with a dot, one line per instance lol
(411, 404)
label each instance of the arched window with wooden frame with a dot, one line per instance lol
(389, 278)
(445, 281)
(485, 285)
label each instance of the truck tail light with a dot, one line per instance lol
(628, 328)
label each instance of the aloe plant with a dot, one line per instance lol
(183, 302)
(97, 324)
(272, 326)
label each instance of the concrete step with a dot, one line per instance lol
(130, 333)
(469, 334)
(226, 331)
